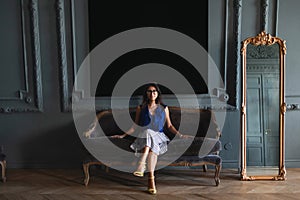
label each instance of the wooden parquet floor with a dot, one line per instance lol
(67, 184)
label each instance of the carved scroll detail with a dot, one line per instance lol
(282, 173)
(283, 108)
(243, 110)
(264, 38)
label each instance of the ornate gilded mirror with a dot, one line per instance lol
(263, 108)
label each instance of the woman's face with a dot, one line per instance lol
(152, 93)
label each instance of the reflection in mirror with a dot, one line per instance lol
(262, 71)
(263, 108)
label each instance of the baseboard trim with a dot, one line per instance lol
(292, 163)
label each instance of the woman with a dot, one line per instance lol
(152, 115)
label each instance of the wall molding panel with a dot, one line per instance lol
(67, 50)
(29, 98)
(62, 53)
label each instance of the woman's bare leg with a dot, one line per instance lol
(142, 163)
(152, 161)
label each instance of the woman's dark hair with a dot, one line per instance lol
(145, 96)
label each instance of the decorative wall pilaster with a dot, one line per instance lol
(66, 51)
(30, 97)
(237, 9)
(264, 15)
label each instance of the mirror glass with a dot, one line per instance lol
(263, 108)
(262, 80)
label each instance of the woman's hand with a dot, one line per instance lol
(88, 133)
(118, 136)
(184, 136)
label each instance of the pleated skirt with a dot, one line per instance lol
(157, 141)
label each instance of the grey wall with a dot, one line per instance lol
(288, 28)
(37, 128)
(35, 132)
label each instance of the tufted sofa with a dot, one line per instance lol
(207, 138)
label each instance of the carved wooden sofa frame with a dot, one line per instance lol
(3, 164)
(207, 130)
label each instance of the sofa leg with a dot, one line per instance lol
(217, 174)
(204, 168)
(86, 170)
(86, 173)
(106, 169)
(3, 166)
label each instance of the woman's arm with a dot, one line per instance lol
(133, 127)
(170, 125)
(92, 127)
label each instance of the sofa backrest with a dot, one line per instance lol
(207, 126)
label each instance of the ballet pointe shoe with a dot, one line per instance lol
(150, 189)
(142, 165)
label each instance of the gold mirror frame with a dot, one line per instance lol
(264, 39)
